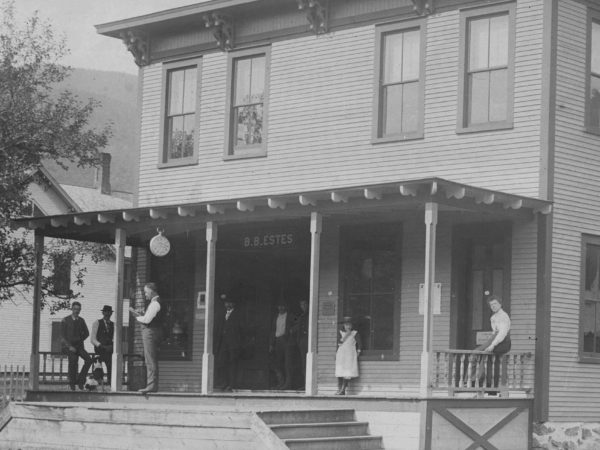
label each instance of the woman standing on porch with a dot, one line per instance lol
(346, 358)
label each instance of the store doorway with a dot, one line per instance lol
(481, 260)
(261, 266)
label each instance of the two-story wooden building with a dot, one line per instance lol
(392, 160)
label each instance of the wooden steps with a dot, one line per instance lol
(321, 429)
(68, 426)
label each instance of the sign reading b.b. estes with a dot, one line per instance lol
(268, 240)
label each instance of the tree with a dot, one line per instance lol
(38, 123)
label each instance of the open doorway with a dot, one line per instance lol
(481, 260)
(261, 266)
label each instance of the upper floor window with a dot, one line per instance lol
(248, 104)
(399, 103)
(593, 106)
(590, 299)
(488, 61)
(31, 209)
(180, 144)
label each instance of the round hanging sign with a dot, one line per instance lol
(159, 245)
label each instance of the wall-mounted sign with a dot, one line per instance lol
(269, 240)
(328, 308)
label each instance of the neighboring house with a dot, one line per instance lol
(348, 152)
(49, 198)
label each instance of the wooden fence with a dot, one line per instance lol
(54, 368)
(13, 383)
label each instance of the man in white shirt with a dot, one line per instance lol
(282, 346)
(500, 343)
(152, 322)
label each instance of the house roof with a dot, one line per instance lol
(72, 204)
(91, 199)
(101, 225)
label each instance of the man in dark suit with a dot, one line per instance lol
(103, 331)
(300, 331)
(283, 345)
(73, 332)
(228, 344)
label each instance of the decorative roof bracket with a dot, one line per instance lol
(221, 26)
(137, 43)
(316, 13)
(423, 7)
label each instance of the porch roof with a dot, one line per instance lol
(100, 226)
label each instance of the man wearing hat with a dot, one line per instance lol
(228, 343)
(103, 331)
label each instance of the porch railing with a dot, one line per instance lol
(13, 383)
(481, 372)
(54, 367)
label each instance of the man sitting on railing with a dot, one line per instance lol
(73, 332)
(499, 343)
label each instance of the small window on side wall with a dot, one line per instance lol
(61, 277)
(593, 102)
(399, 74)
(590, 300)
(247, 104)
(179, 144)
(486, 85)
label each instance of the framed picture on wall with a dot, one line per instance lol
(201, 300)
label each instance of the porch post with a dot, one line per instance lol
(208, 359)
(316, 223)
(34, 362)
(116, 382)
(431, 215)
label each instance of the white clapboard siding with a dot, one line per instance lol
(320, 119)
(16, 316)
(574, 391)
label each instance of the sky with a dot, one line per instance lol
(76, 19)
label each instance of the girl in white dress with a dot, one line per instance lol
(346, 358)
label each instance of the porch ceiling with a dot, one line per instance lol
(100, 226)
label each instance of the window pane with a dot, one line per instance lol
(189, 95)
(594, 108)
(248, 124)
(176, 79)
(478, 97)
(176, 134)
(382, 321)
(478, 43)
(589, 323)
(62, 274)
(498, 282)
(498, 96)
(360, 272)
(478, 300)
(392, 59)
(257, 85)
(188, 136)
(592, 272)
(411, 56)
(410, 108)
(242, 81)
(392, 110)
(595, 63)
(499, 41)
